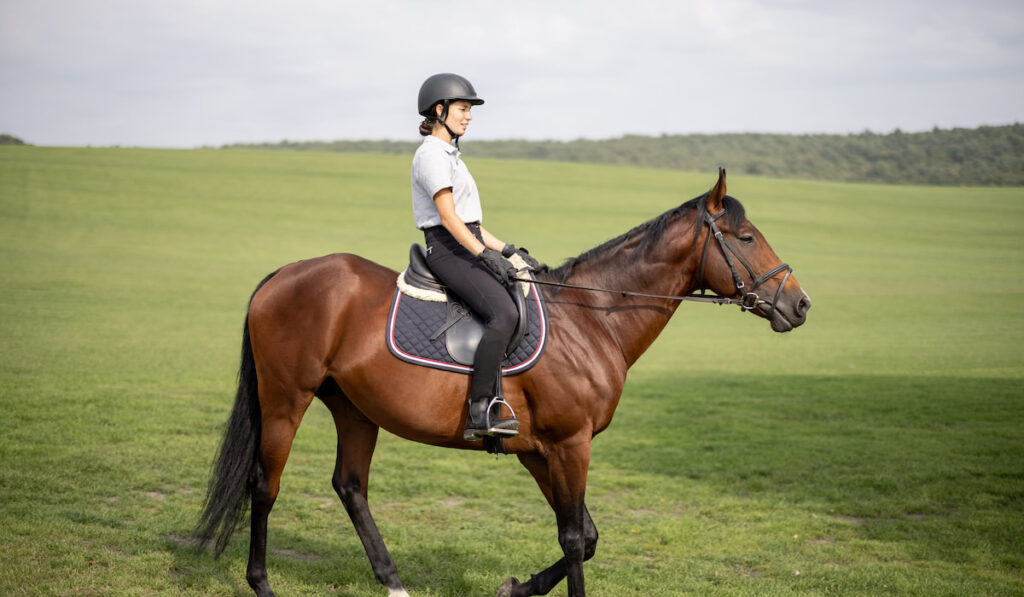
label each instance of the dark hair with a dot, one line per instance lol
(427, 126)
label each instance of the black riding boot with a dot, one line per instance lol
(485, 419)
(485, 396)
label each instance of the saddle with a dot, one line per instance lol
(428, 324)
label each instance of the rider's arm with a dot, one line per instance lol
(455, 226)
(492, 242)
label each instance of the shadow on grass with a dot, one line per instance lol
(337, 564)
(936, 460)
(809, 434)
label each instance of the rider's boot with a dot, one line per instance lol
(485, 419)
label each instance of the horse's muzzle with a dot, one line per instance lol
(790, 312)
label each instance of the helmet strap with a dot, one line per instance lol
(444, 121)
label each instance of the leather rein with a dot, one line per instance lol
(749, 299)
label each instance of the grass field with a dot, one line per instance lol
(878, 450)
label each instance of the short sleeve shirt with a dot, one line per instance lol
(437, 165)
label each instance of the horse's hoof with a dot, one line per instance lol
(505, 590)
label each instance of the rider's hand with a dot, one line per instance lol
(534, 265)
(505, 271)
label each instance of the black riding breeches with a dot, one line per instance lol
(481, 291)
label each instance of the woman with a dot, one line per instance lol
(461, 252)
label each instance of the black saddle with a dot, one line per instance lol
(418, 273)
(462, 329)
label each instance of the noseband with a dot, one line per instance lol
(749, 299)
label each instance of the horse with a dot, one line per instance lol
(315, 328)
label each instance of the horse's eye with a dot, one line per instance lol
(747, 239)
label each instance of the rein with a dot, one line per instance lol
(748, 301)
(718, 300)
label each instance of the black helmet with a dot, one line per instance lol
(445, 87)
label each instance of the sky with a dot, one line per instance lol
(190, 73)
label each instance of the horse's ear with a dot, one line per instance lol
(713, 204)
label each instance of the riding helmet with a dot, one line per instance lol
(445, 87)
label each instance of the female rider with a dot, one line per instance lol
(461, 252)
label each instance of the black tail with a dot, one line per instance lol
(228, 494)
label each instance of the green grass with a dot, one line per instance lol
(877, 450)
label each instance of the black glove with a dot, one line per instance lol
(535, 265)
(505, 271)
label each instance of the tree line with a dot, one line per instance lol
(985, 156)
(9, 139)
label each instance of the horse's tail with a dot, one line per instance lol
(229, 491)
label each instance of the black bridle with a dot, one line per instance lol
(749, 299)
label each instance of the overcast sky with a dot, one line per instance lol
(185, 73)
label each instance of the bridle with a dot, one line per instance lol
(749, 299)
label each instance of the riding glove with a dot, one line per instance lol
(505, 271)
(535, 265)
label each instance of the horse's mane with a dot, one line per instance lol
(651, 231)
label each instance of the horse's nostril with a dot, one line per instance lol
(804, 304)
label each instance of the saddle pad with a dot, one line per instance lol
(412, 322)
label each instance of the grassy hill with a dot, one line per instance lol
(985, 156)
(876, 450)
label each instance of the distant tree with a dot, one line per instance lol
(6, 139)
(988, 155)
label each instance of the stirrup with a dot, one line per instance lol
(499, 427)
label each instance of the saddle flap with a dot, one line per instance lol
(463, 329)
(463, 332)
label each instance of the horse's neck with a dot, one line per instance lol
(669, 269)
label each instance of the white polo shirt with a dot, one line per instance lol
(437, 165)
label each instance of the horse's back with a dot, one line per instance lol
(311, 283)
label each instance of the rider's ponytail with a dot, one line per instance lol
(427, 126)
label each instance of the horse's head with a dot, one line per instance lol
(738, 262)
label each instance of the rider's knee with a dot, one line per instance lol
(505, 321)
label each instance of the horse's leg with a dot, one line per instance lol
(280, 421)
(256, 570)
(567, 465)
(576, 530)
(357, 437)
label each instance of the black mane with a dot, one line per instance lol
(651, 231)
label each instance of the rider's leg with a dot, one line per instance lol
(477, 287)
(486, 373)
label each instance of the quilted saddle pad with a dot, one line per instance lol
(413, 323)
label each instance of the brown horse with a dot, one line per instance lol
(316, 328)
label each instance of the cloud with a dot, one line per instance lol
(187, 73)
